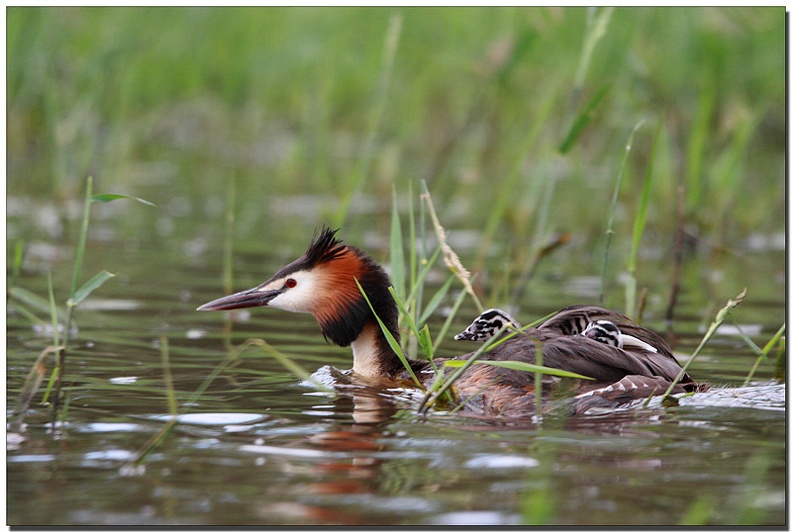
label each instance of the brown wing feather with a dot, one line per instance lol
(630, 372)
(663, 362)
(583, 355)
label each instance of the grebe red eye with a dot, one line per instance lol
(290, 283)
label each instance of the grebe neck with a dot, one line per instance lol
(350, 321)
(372, 355)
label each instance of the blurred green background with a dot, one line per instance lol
(343, 104)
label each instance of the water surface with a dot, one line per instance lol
(262, 447)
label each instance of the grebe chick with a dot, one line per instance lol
(493, 320)
(608, 333)
(487, 325)
(324, 282)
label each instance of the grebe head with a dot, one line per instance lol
(487, 325)
(604, 331)
(322, 282)
(607, 332)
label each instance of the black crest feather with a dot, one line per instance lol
(324, 247)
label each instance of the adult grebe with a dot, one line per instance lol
(322, 282)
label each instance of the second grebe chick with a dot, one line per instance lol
(324, 282)
(493, 320)
(608, 333)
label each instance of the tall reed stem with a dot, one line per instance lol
(70, 305)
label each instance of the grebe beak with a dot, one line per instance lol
(255, 297)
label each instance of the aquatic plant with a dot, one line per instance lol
(21, 298)
(612, 211)
(719, 319)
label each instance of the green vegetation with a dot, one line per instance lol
(515, 117)
(27, 303)
(498, 107)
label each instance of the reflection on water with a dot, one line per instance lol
(262, 447)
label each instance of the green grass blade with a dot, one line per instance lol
(522, 366)
(418, 287)
(435, 301)
(441, 387)
(697, 142)
(51, 382)
(167, 376)
(596, 29)
(155, 441)
(294, 368)
(643, 207)
(699, 512)
(106, 198)
(404, 312)
(31, 300)
(450, 318)
(425, 341)
(747, 339)
(391, 340)
(764, 352)
(639, 224)
(413, 266)
(582, 120)
(85, 290)
(719, 318)
(53, 312)
(612, 212)
(397, 272)
(537, 379)
(80, 252)
(780, 361)
(78, 261)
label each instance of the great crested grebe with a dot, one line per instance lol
(322, 282)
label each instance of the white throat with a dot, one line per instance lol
(366, 357)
